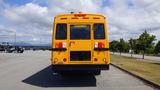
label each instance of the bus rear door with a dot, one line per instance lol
(80, 43)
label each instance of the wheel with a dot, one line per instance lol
(21, 51)
(65, 73)
(97, 72)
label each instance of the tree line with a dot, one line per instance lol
(144, 44)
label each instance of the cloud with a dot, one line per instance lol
(29, 13)
(132, 17)
(63, 6)
(126, 18)
(30, 21)
(6, 34)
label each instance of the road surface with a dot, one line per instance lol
(152, 58)
(31, 71)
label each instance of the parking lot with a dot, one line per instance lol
(32, 71)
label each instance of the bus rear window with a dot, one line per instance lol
(99, 31)
(80, 32)
(61, 31)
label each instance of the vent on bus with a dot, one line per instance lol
(80, 55)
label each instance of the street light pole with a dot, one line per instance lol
(15, 39)
(131, 47)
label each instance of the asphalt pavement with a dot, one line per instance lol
(32, 71)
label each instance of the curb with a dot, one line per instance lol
(153, 84)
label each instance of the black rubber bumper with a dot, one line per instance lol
(80, 67)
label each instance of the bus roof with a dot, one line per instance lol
(69, 15)
(79, 17)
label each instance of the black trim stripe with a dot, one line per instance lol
(58, 49)
(101, 49)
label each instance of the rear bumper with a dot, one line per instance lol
(80, 67)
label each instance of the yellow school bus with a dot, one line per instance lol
(80, 43)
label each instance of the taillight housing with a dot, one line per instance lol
(60, 45)
(99, 45)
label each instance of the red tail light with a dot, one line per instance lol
(59, 45)
(95, 59)
(64, 59)
(79, 15)
(63, 18)
(99, 45)
(96, 18)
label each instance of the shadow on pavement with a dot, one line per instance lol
(45, 78)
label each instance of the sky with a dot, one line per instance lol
(32, 20)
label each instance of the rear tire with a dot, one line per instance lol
(97, 72)
(63, 73)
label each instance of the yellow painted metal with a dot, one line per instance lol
(80, 45)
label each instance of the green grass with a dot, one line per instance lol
(148, 70)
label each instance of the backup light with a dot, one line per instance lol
(104, 59)
(96, 45)
(63, 44)
(55, 59)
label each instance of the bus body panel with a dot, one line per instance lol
(76, 46)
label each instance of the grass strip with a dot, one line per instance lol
(147, 70)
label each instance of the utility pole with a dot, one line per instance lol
(131, 46)
(15, 39)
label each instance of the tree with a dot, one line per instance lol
(114, 46)
(121, 45)
(126, 47)
(145, 41)
(157, 48)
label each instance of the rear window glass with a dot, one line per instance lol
(80, 32)
(99, 31)
(61, 31)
